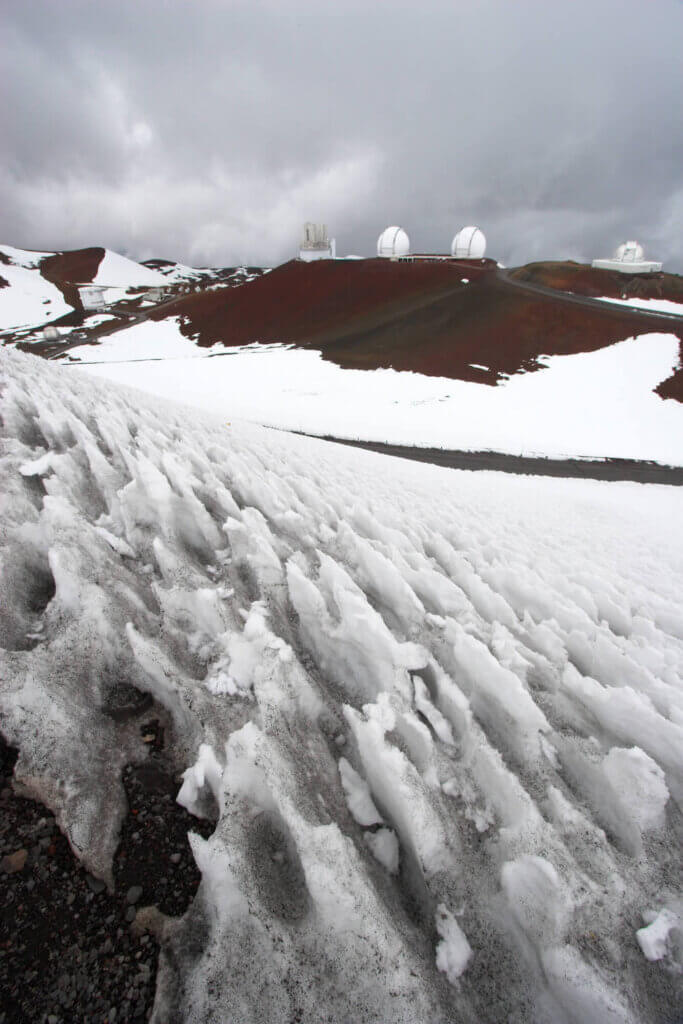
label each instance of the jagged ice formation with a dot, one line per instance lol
(436, 715)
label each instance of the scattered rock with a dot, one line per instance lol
(59, 921)
(13, 862)
(133, 894)
(148, 920)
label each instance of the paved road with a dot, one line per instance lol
(610, 469)
(585, 300)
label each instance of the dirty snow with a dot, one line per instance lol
(447, 776)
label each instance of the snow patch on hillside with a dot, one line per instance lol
(439, 714)
(28, 300)
(119, 272)
(648, 305)
(29, 259)
(596, 404)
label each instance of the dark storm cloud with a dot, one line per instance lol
(209, 131)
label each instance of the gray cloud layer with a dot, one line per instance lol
(209, 131)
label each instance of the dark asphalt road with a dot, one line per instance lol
(585, 300)
(610, 469)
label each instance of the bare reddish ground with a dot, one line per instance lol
(67, 269)
(298, 301)
(409, 316)
(583, 279)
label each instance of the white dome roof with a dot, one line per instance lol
(393, 242)
(469, 243)
(629, 252)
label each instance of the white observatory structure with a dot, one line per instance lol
(469, 244)
(629, 258)
(92, 296)
(315, 244)
(393, 243)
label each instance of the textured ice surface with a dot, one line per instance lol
(436, 715)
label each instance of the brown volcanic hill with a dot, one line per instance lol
(582, 279)
(366, 314)
(305, 302)
(66, 269)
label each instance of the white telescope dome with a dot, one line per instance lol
(393, 242)
(469, 243)
(629, 252)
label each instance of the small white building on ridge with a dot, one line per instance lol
(92, 296)
(629, 258)
(315, 244)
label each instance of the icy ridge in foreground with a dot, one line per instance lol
(438, 715)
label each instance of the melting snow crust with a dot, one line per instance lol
(438, 715)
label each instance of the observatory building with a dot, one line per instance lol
(629, 258)
(92, 296)
(469, 244)
(315, 244)
(393, 243)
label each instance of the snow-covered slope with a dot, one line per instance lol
(594, 404)
(178, 272)
(29, 259)
(438, 715)
(26, 298)
(119, 272)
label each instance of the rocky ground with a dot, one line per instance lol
(69, 949)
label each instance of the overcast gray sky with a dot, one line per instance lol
(208, 131)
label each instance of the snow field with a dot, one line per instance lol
(436, 715)
(150, 339)
(591, 405)
(28, 300)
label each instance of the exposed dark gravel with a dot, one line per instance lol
(67, 949)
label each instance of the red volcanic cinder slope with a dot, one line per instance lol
(582, 279)
(416, 316)
(300, 301)
(67, 269)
